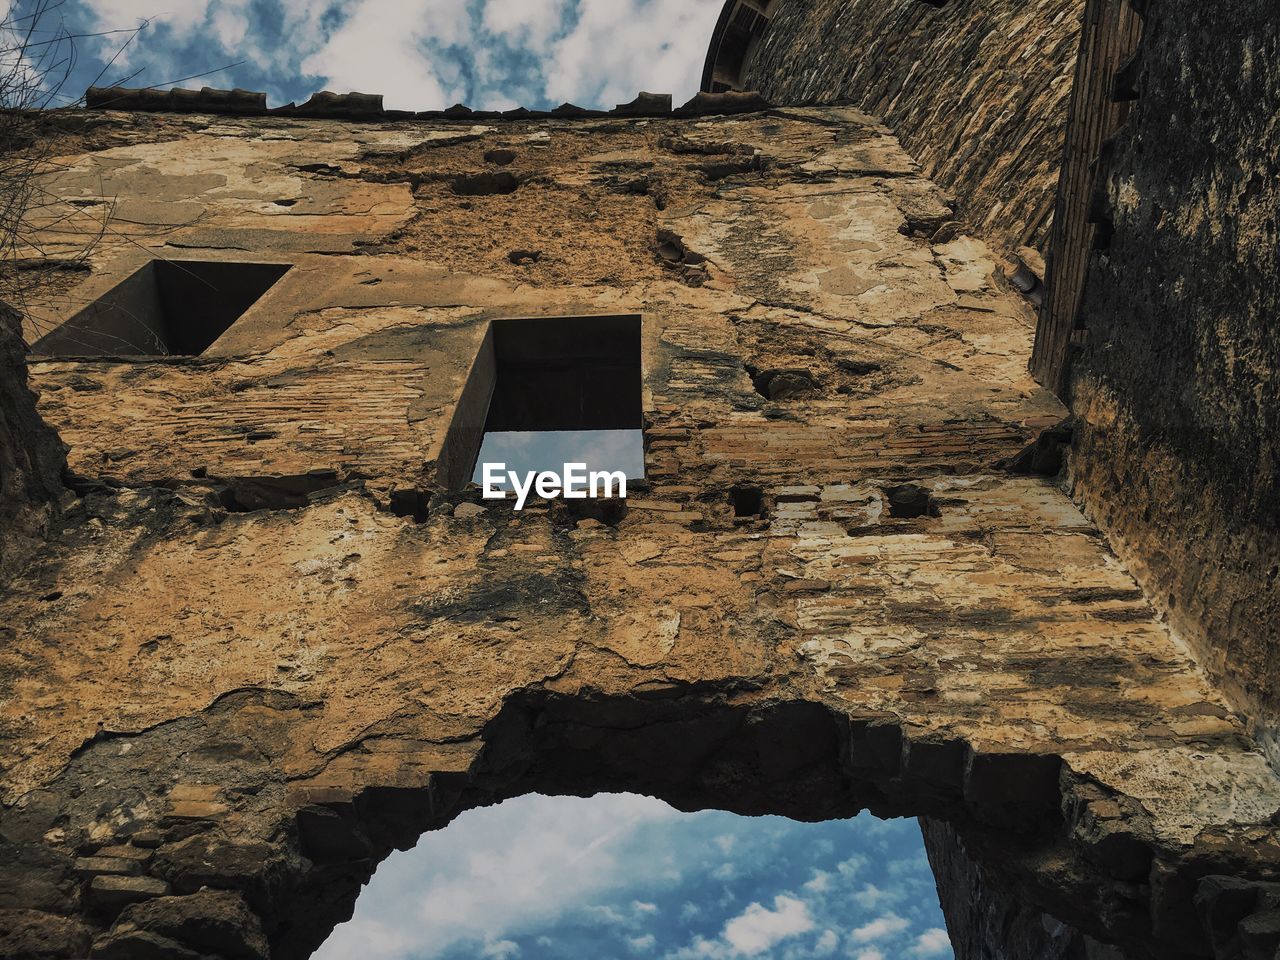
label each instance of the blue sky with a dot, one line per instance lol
(420, 54)
(551, 449)
(620, 877)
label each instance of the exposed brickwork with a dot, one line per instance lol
(977, 91)
(269, 647)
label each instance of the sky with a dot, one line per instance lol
(526, 451)
(624, 877)
(420, 54)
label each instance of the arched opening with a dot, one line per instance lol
(694, 747)
(737, 32)
(620, 875)
(244, 858)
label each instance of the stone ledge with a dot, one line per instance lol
(327, 105)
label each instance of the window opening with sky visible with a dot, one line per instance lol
(564, 390)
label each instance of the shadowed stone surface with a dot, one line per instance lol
(31, 457)
(1176, 390)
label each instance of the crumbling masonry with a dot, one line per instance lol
(265, 635)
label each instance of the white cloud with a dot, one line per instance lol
(501, 870)
(879, 928)
(855, 864)
(533, 22)
(182, 17)
(871, 953)
(758, 928)
(934, 942)
(620, 47)
(871, 896)
(820, 883)
(380, 48)
(826, 944)
(500, 950)
(642, 944)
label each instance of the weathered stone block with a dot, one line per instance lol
(209, 922)
(108, 894)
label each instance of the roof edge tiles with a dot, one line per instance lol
(326, 105)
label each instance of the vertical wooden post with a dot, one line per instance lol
(1099, 108)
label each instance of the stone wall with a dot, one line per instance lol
(988, 921)
(1176, 392)
(977, 91)
(31, 455)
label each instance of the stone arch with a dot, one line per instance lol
(737, 31)
(256, 863)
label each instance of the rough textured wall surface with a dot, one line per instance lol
(267, 648)
(990, 920)
(976, 90)
(1177, 391)
(31, 456)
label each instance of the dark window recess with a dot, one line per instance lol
(569, 386)
(169, 307)
(747, 501)
(576, 373)
(910, 502)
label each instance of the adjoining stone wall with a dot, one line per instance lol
(1177, 452)
(31, 455)
(976, 91)
(991, 922)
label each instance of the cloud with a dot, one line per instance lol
(484, 879)
(826, 944)
(871, 953)
(180, 17)
(880, 928)
(534, 22)
(642, 944)
(854, 865)
(934, 942)
(500, 950)
(726, 871)
(619, 47)
(758, 928)
(419, 54)
(871, 896)
(820, 883)
(386, 46)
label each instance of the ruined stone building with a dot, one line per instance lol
(258, 631)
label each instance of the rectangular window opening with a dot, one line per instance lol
(166, 308)
(544, 393)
